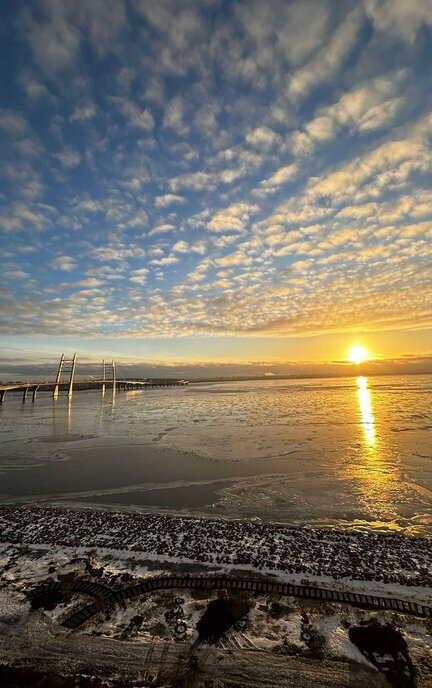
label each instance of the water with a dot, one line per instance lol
(352, 452)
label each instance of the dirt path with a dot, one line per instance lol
(48, 646)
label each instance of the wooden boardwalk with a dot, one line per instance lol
(105, 598)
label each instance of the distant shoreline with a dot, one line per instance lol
(361, 372)
(334, 376)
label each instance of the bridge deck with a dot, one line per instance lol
(25, 387)
(137, 383)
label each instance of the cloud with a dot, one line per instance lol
(37, 216)
(106, 253)
(415, 205)
(117, 253)
(107, 272)
(10, 224)
(205, 120)
(12, 122)
(140, 219)
(125, 78)
(198, 274)
(83, 113)
(69, 157)
(137, 118)
(199, 246)
(103, 21)
(29, 148)
(284, 32)
(280, 177)
(400, 18)
(195, 181)
(371, 106)
(280, 236)
(392, 162)
(181, 247)
(174, 116)
(53, 39)
(236, 258)
(55, 31)
(168, 199)
(16, 274)
(89, 206)
(367, 108)
(330, 58)
(233, 218)
(139, 276)
(262, 137)
(178, 35)
(133, 184)
(64, 263)
(30, 216)
(167, 260)
(161, 229)
(90, 282)
(34, 89)
(25, 179)
(321, 128)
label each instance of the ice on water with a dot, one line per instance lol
(348, 451)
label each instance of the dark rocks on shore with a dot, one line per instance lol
(339, 554)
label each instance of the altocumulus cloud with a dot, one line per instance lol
(194, 168)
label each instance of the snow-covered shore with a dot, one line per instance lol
(42, 544)
(386, 560)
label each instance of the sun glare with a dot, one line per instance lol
(358, 354)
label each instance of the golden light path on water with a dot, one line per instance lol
(366, 411)
(379, 477)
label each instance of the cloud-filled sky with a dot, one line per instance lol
(211, 180)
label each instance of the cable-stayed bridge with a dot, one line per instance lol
(63, 378)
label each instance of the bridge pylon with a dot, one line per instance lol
(108, 375)
(66, 367)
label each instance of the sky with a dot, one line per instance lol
(188, 181)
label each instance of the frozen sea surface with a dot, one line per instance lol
(354, 452)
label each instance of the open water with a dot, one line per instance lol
(351, 452)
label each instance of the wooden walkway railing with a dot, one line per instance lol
(106, 598)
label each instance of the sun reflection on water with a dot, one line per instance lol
(378, 475)
(366, 411)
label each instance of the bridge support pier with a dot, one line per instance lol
(65, 366)
(72, 374)
(34, 395)
(59, 372)
(108, 375)
(2, 395)
(25, 392)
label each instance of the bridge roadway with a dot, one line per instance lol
(34, 387)
(104, 597)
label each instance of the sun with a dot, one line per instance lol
(358, 354)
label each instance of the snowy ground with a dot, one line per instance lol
(283, 626)
(117, 548)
